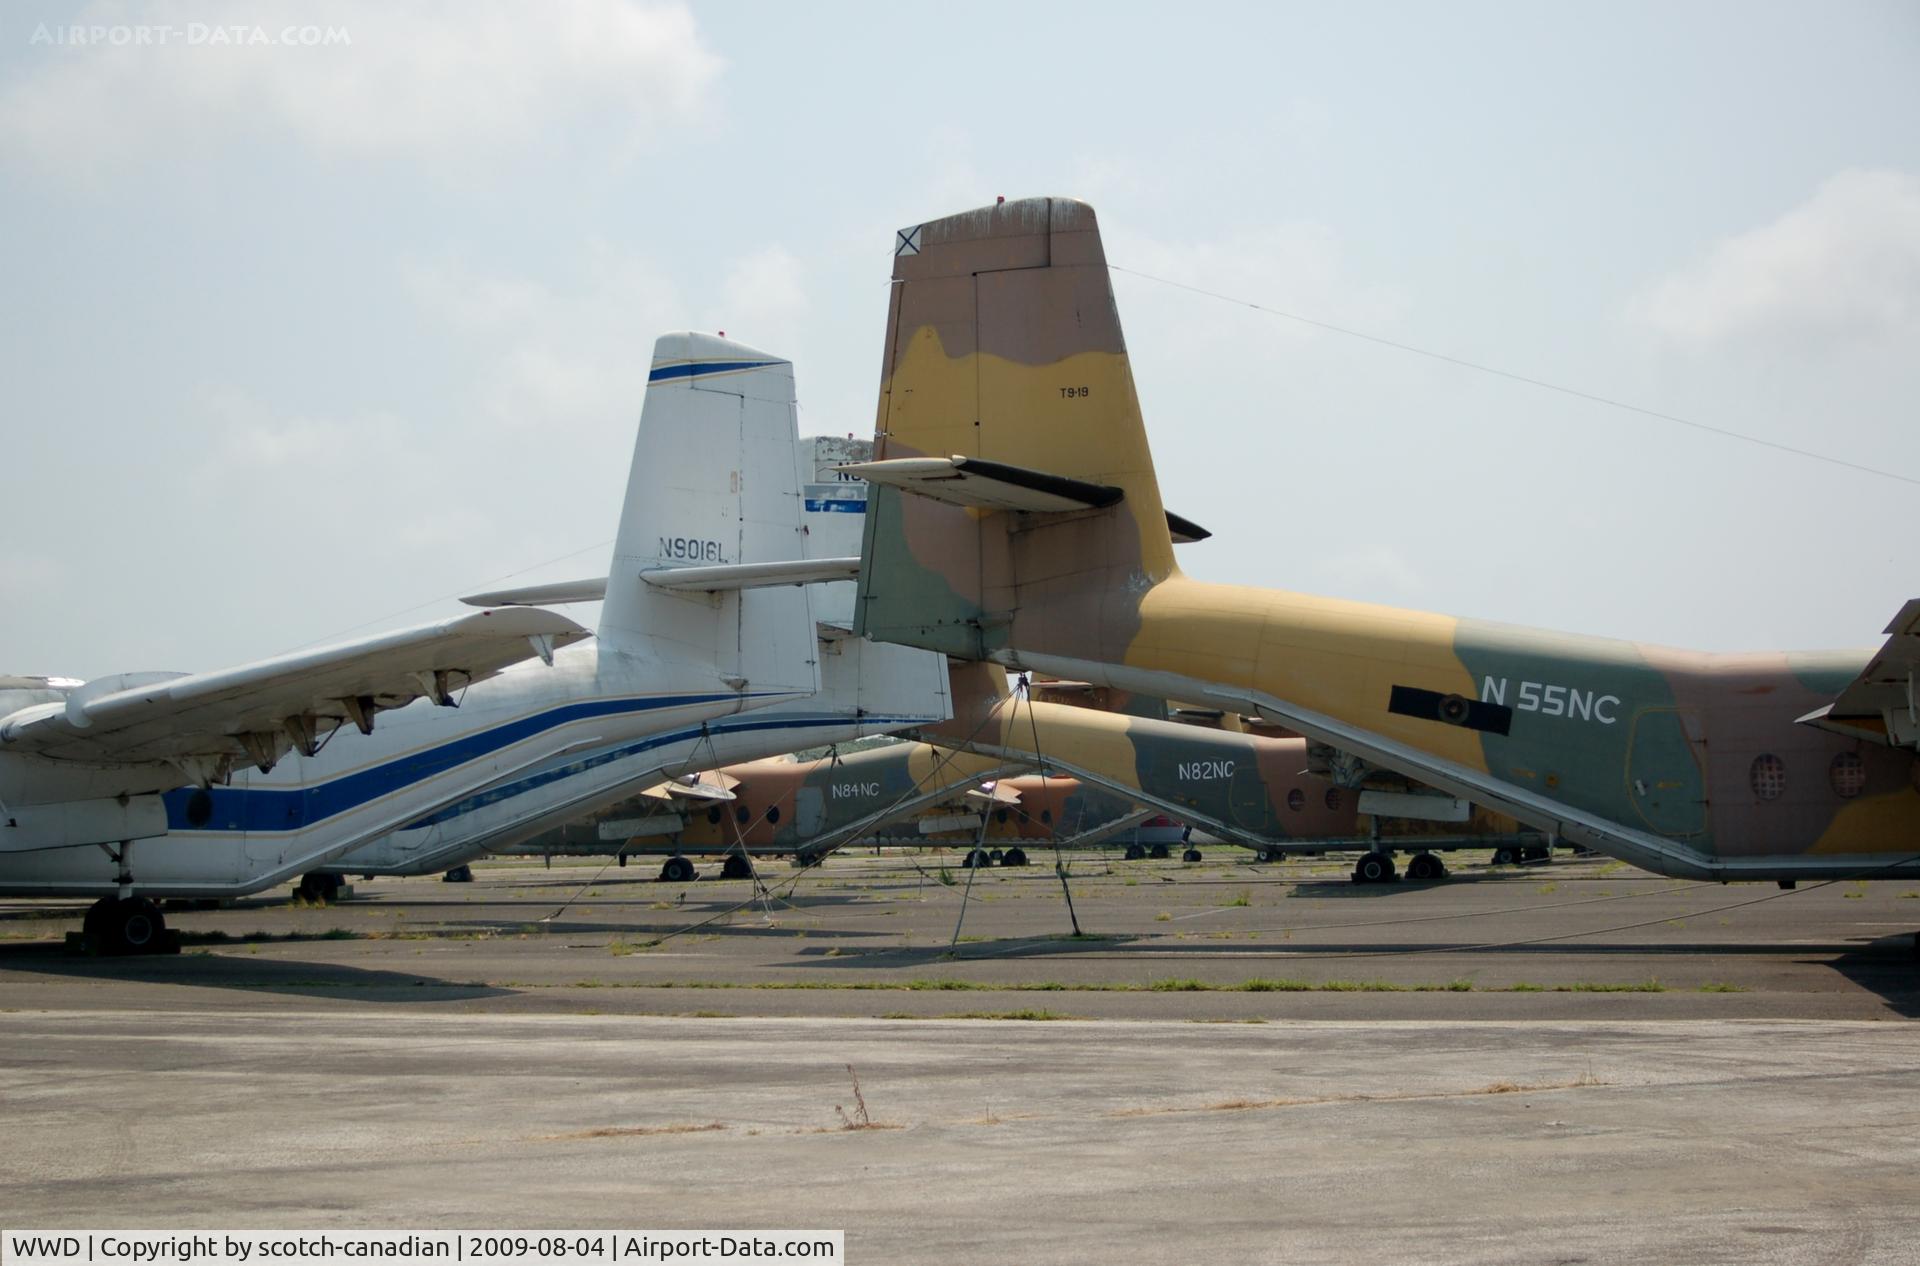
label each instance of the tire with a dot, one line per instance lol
(1191, 855)
(133, 926)
(1374, 868)
(458, 875)
(1425, 866)
(678, 870)
(1014, 857)
(1158, 852)
(735, 867)
(1134, 853)
(1503, 857)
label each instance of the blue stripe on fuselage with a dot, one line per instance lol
(494, 795)
(262, 809)
(837, 507)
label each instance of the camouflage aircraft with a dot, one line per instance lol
(1253, 790)
(779, 806)
(1014, 516)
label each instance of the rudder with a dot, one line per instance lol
(1004, 344)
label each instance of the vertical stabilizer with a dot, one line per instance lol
(1004, 345)
(713, 482)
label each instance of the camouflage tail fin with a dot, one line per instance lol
(1004, 347)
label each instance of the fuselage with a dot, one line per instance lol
(1702, 750)
(263, 828)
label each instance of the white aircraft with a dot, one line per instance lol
(865, 688)
(689, 636)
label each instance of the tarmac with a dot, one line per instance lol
(1233, 1062)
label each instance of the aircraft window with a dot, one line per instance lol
(999, 815)
(741, 814)
(1296, 800)
(1046, 815)
(1333, 798)
(773, 814)
(713, 814)
(200, 808)
(1768, 776)
(1848, 774)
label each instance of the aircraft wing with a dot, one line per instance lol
(202, 721)
(1883, 702)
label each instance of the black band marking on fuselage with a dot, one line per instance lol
(1431, 705)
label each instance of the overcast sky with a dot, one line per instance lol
(300, 339)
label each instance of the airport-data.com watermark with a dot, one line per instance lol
(190, 35)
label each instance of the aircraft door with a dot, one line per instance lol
(809, 812)
(1247, 797)
(1666, 763)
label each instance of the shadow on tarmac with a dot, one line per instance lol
(228, 971)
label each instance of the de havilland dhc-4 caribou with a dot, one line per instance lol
(1014, 516)
(218, 784)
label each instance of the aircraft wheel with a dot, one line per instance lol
(1134, 852)
(976, 857)
(1374, 868)
(132, 926)
(1426, 866)
(1503, 857)
(318, 887)
(678, 870)
(458, 875)
(1191, 855)
(1158, 852)
(1014, 857)
(997, 855)
(735, 867)
(1536, 853)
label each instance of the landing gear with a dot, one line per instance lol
(736, 867)
(1014, 857)
(1191, 855)
(1373, 868)
(976, 857)
(128, 925)
(1158, 852)
(1267, 856)
(319, 888)
(1134, 853)
(458, 875)
(678, 870)
(997, 855)
(1424, 866)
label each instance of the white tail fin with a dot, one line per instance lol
(713, 481)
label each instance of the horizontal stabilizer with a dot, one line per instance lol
(1184, 530)
(725, 576)
(590, 589)
(969, 481)
(1882, 704)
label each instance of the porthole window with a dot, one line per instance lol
(1046, 815)
(713, 814)
(1296, 800)
(1768, 776)
(773, 814)
(999, 815)
(741, 815)
(1848, 774)
(1333, 798)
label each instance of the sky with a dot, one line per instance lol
(310, 328)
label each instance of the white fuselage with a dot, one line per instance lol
(263, 828)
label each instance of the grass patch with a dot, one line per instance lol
(1024, 1013)
(1244, 898)
(1720, 986)
(217, 937)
